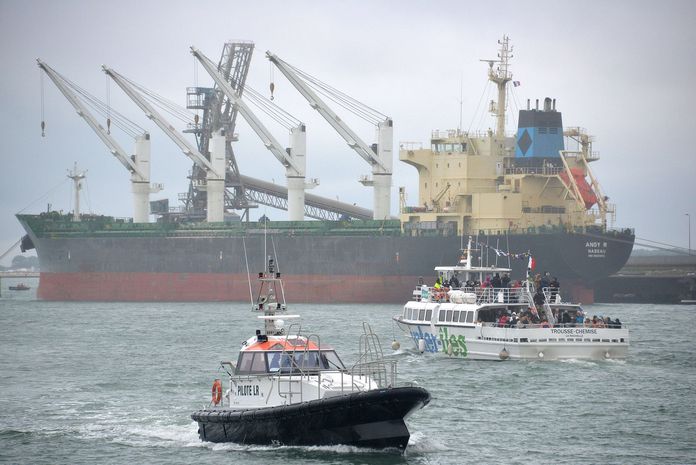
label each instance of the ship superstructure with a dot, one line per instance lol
(495, 183)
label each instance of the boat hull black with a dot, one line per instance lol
(365, 419)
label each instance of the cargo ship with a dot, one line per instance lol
(532, 192)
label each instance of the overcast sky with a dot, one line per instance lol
(624, 70)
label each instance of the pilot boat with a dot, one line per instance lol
(292, 389)
(500, 323)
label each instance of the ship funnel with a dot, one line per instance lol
(547, 104)
(537, 104)
(528, 108)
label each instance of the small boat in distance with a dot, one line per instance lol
(501, 323)
(292, 389)
(19, 287)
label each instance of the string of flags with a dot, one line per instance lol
(515, 256)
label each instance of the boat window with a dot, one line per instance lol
(428, 315)
(469, 317)
(405, 312)
(441, 316)
(273, 361)
(421, 314)
(455, 316)
(251, 362)
(408, 314)
(330, 360)
(449, 315)
(259, 363)
(462, 316)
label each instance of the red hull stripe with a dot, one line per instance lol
(218, 287)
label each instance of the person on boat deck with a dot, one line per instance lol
(537, 281)
(546, 279)
(545, 323)
(554, 284)
(617, 323)
(438, 283)
(496, 281)
(566, 319)
(523, 321)
(539, 298)
(505, 281)
(588, 322)
(513, 320)
(579, 318)
(503, 320)
(454, 282)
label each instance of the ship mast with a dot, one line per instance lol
(501, 75)
(77, 178)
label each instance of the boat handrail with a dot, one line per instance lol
(483, 295)
(557, 325)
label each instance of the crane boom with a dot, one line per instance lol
(113, 146)
(186, 147)
(380, 158)
(351, 138)
(264, 134)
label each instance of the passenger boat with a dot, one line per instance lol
(19, 287)
(292, 389)
(501, 323)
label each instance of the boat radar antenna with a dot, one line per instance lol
(267, 299)
(500, 75)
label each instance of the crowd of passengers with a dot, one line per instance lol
(497, 281)
(531, 318)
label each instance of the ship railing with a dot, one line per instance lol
(552, 295)
(557, 325)
(377, 374)
(410, 146)
(542, 170)
(484, 295)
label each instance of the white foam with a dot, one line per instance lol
(420, 443)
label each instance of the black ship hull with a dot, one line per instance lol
(122, 262)
(372, 419)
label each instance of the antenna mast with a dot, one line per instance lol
(501, 75)
(77, 178)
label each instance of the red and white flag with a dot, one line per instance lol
(532, 263)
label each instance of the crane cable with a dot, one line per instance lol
(171, 107)
(341, 98)
(122, 122)
(43, 120)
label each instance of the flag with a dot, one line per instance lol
(516, 83)
(532, 263)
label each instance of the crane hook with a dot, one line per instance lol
(108, 125)
(272, 89)
(43, 128)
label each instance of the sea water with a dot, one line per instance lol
(92, 382)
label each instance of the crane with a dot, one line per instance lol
(214, 168)
(379, 157)
(293, 158)
(138, 165)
